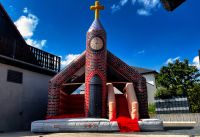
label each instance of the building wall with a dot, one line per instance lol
(151, 86)
(22, 103)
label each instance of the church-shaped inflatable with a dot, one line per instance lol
(100, 71)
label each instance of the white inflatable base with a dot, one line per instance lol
(74, 125)
(151, 125)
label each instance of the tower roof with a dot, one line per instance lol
(96, 25)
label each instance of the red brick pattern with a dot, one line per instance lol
(96, 62)
(112, 61)
(133, 76)
(55, 84)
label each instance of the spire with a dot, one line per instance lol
(96, 25)
(97, 7)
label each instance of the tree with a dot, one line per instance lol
(194, 99)
(176, 79)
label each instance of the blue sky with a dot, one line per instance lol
(140, 32)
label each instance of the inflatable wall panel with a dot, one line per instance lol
(132, 100)
(111, 102)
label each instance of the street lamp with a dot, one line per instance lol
(170, 5)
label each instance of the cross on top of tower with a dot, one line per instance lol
(97, 7)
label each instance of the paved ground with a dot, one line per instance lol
(168, 133)
(26, 134)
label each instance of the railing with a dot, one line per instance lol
(172, 105)
(29, 54)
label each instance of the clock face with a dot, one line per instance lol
(96, 43)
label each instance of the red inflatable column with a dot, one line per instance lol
(95, 76)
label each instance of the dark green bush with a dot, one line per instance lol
(194, 98)
(163, 93)
(152, 109)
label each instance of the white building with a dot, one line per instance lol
(24, 75)
(151, 82)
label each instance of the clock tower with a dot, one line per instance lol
(95, 68)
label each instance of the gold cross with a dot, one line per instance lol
(97, 7)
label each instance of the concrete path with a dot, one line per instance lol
(167, 133)
(28, 134)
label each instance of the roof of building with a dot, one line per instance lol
(144, 70)
(15, 52)
(9, 20)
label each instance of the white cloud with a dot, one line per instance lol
(149, 4)
(36, 43)
(27, 24)
(68, 59)
(141, 52)
(145, 6)
(196, 62)
(171, 60)
(25, 10)
(133, 2)
(115, 8)
(143, 12)
(123, 2)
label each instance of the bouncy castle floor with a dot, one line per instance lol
(74, 124)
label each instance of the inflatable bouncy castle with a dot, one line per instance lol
(101, 72)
